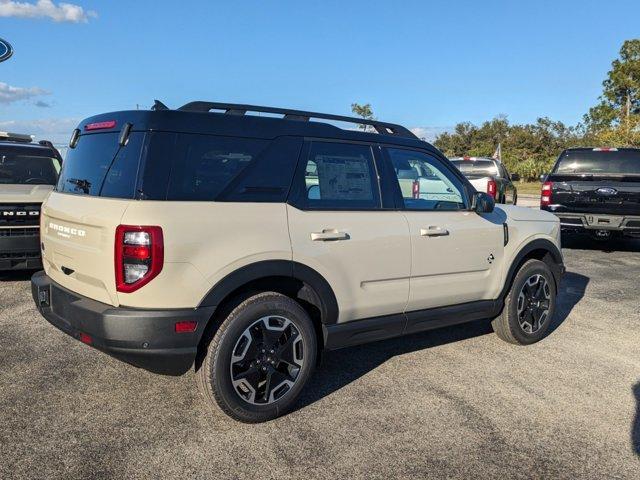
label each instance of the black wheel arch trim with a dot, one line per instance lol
(328, 305)
(557, 269)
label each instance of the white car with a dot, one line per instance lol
(491, 176)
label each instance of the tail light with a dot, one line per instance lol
(492, 188)
(545, 194)
(139, 256)
(415, 189)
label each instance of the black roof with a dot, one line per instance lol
(233, 120)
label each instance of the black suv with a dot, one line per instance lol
(28, 172)
(595, 191)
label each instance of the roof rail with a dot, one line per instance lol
(15, 137)
(288, 114)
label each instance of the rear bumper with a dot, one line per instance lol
(19, 249)
(593, 222)
(143, 338)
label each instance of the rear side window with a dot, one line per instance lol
(340, 176)
(203, 165)
(99, 167)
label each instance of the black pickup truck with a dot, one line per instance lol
(595, 191)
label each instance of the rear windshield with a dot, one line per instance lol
(599, 162)
(25, 168)
(476, 167)
(99, 167)
(157, 166)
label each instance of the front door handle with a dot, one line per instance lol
(433, 231)
(329, 235)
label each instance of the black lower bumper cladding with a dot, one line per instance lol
(143, 338)
(18, 252)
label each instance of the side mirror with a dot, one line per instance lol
(515, 177)
(482, 203)
(543, 177)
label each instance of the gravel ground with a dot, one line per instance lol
(454, 403)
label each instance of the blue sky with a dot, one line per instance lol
(424, 64)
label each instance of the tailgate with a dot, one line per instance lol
(606, 197)
(78, 234)
(480, 184)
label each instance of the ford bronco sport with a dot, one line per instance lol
(28, 172)
(241, 246)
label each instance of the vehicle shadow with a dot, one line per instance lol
(583, 242)
(339, 368)
(635, 428)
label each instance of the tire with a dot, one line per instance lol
(518, 324)
(268, 335)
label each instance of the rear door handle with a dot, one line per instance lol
(433, 231)
(329, 235)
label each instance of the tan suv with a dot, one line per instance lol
(241, 245)
(28, 172)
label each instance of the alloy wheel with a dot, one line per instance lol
(534, 302)
(266, 360)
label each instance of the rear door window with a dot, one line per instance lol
(340, 176)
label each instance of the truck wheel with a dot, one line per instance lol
(259, 359)
(529, 305)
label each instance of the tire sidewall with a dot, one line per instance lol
(239, 320)
(530, 268)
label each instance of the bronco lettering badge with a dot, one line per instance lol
(67, 232)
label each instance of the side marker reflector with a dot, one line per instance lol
(187, 326)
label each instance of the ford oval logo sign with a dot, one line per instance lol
(606, 191)
(5, 50)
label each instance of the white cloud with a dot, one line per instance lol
(58, 130)
(429, 134)
(9, 94)
(63, 12)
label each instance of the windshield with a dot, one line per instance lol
(476, 167)
(28, 169)
(626, 162)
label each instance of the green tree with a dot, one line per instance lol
(528, 149)
(365, 111)
(620, 99)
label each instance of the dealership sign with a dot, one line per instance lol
(5, 50)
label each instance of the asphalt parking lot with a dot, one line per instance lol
(454, 403)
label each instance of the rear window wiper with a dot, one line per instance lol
(83, 185)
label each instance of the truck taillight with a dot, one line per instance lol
(415, 189)
(492, 188)
(545, 194)
(139, 256)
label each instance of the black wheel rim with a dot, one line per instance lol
(266, 360)
(534, 302)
